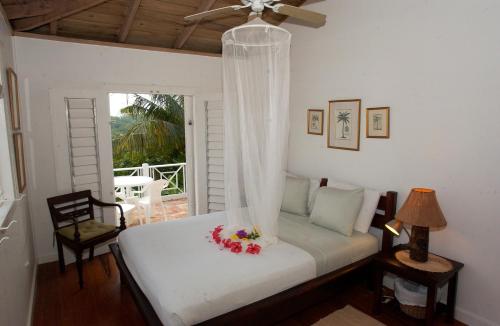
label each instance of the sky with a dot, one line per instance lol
(118, 101)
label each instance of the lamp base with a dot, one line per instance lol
(435, 264)
(419, 244)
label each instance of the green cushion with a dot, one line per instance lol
(337, 209)
(88, 230)
(296, 196)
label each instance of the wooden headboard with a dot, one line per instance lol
(387, 204)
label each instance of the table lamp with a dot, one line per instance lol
(420, 210)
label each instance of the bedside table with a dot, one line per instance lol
(387, 262)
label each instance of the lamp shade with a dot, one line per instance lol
(421, 208)
(395, 227)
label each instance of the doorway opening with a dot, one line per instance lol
(149, 156)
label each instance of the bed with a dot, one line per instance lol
(177, 279)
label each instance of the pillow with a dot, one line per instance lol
(313, 189)
(368, 208)
(296, 196)
(337, 209)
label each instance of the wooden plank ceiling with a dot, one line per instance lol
(158, 23)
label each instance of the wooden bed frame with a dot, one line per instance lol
(270, 310)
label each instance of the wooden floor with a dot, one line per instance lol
(103, 301)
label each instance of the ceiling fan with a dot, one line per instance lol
(257, 7)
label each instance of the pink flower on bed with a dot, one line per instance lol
(253, 249)
(236, 247)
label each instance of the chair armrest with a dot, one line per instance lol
(77, 233)
(103, 204)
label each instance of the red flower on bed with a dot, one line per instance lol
(216, 234)
(227, 243)
(253, 249)
(232, 244)
(236, 247)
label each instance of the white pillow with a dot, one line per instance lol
(296, 196)
(368, 208)
(337, 209)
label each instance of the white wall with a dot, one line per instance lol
(7, 178)
(437, 65)
(45, 65)
(17, 272)
(17, 268)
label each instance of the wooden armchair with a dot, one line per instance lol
(76, 228)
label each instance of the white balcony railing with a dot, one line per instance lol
(174, 173)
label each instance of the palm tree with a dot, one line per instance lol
(345, 119)
(158, 126)
(377, 118)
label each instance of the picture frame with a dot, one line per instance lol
(315, 121)
(378, 122)
(344, 124)
(13, 90)
(20, 162)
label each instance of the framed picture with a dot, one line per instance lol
(13, 99)
(20, 165)
(344, 124)
(377, 122)
(315, 122)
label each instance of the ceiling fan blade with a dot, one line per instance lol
(211, 13)
(314, 18)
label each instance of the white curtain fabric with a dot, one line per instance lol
(256, 71)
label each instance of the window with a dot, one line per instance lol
(6, 172)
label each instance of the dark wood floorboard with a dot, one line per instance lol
(103, 301)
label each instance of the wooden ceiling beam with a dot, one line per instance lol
(53, 27)
(188, 31)
(113, 44)
(30, 9)
(61, 9)
(128, 22)
(5, 17)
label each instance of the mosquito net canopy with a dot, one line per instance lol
(256, 73)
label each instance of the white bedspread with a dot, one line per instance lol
(190, 280)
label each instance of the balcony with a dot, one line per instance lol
(174, 196)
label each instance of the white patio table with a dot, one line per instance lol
(125, 183)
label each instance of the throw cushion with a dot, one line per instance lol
(337, 209)
(296, 196)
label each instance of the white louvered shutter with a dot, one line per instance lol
(83, 145)
(215, 155)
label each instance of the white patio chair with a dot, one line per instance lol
(151, 195)
(127, 210)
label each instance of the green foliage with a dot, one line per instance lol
(149, 131)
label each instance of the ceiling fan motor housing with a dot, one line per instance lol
(258, 6)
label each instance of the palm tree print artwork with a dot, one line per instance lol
(343, 124)
(377, 122)
(343, 118)
(315, 122)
